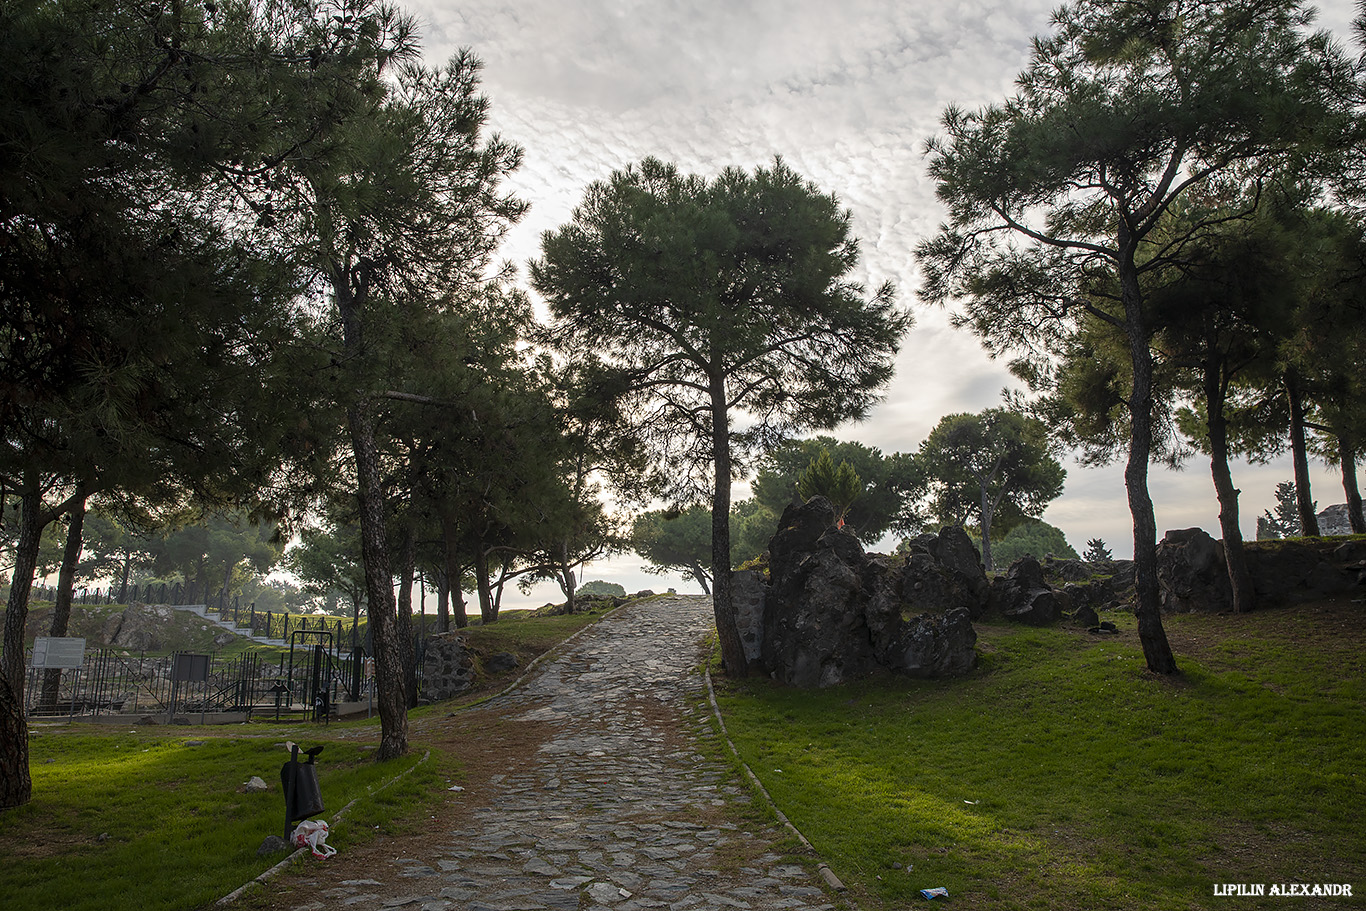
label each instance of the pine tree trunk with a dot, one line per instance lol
(723, 608)
(986, 530)
(1156, 649)
(497, 591)
(66, 590)
(390, 694)
(123, 582)
(21, 583)
(1304, 498)
(223, 592)
(407, 648)
(443, 603)
(485, 586)
(567, 580)
(451, 555)
(701, 578)
(462, 615)
(1348, 458)
(422, 603)
(1235, 558)
(16, 788)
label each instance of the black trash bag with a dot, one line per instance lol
(303, 796)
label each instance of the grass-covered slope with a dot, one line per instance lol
(1062, 774)
(157, 819)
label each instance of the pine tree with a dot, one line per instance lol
(1097, 552)
(839, 484)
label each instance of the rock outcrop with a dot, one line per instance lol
(832, 613)
(1335, 520)
(944, 572)
(1191, 572)
(748, 590)
(1023, 595)
(139, 628)
(1193, 576)
(1306, 569)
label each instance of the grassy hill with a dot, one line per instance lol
(183, 632)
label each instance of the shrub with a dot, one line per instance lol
(602, 589)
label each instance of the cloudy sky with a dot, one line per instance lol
(847, 94)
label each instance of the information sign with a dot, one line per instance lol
(65, 652)
(190, 668)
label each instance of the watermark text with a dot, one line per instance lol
(1287, 890)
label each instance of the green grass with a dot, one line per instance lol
(1062, 775)
(528, 632)
(145, 819)
(526, 635)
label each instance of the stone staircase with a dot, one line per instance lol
(231, 627)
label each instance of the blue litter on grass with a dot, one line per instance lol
(939, 892)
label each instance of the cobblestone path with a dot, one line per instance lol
(616, 810)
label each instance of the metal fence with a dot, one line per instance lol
(269, 624)
(307, 680)
(150, 593)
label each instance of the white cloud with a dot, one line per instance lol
(847, 94)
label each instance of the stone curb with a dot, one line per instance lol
(268, 875)
(821, 866)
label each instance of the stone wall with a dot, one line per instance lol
(447, 666)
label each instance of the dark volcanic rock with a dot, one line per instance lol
(1065, 570)
(832, 613)
(1191, 573)
(1024, 596)
(1096, 595)
(747, 593)
(1084, 616)
(499, 662)
(939, 646)
(944, 572)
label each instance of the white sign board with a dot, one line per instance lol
(53, 652)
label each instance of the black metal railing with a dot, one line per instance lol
(110, 682)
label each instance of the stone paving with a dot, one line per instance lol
(618, 811)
